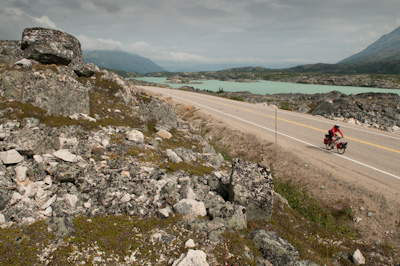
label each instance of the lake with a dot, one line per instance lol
(268, 87)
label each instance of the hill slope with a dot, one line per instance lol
(387, 48)
(119, 60)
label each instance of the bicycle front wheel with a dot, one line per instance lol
(341, 150)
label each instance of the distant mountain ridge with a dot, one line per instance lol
(387, 48)
(119, 60)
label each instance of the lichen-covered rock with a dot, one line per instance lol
(251, 185)
(50, 46)
(233, 216)
(190, 207)
(54, 89)
(10, 51)
(32, 141)
(159, 112)
(274, 248)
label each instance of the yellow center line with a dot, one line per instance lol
(299, 124)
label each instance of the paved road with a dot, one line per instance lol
(372, 155)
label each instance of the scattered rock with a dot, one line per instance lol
(358, 258)
(188, 206)
(173, 157)
(164, 134)
(274, 248)
(189, 244)
(191, 258)
(135, 136)
(66, 156)
(11, 157)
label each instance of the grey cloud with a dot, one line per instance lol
(109, 6)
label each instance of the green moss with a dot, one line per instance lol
(113, 236)
(193, 169)
(20, 246)
(44, 67)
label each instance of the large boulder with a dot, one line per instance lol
(324, 108)
(231, 215)
(31, 142)
(251, 185)
(274, 248)
(52, 86)
(54, 89)
(50, 46)
(159, 112)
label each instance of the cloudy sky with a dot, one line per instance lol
(197, 33)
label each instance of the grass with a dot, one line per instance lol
(236, 250)
(302, 202)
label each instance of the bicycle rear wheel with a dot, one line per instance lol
(329, 146)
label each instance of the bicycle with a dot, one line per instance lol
(340, 145)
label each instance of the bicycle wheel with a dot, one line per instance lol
(341, 149)
(329, 146)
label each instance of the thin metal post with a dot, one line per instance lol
(276, 124)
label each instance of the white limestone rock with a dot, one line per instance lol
(11, 157)
(66, 156)
(358, 258)
(135, 136)
(20, 173)
(173, 157)
(70, 200)
(192, 258)
(189, 206)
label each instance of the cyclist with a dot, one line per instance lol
(332, 133)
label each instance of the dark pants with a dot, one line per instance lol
(330, 134)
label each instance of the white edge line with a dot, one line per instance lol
(304, 142)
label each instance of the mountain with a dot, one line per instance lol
(387, 48)
(119, 60)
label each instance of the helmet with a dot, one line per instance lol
(337, 126)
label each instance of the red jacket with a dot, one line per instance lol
(334, 130)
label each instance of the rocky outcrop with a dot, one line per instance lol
(42, 70)
(10, 51)
(275, 249)
(159, 112)
(53, 89)
(49, 46)
(344, 80)
(251, 185)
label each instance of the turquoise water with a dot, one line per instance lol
(268, 87)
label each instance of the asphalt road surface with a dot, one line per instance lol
(371, 156)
